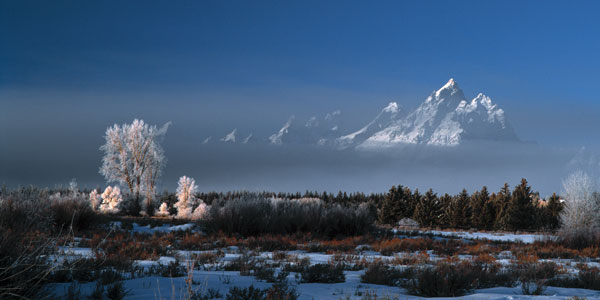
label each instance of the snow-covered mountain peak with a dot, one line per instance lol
(446, 118)
(230, 137)
(450, 88)
(485, 101)
(277, 138)
(391, 108)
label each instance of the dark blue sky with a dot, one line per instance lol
(69, 69)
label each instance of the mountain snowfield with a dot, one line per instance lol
(446, 119)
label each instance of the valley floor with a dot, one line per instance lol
(218, 269)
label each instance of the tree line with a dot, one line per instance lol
(519, 209)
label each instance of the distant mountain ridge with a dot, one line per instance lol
(446, 118)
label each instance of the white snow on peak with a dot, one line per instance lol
(276, 138)
(385, 118)
(230, 137)
(391, 108)
(247, 139)
(451, 86)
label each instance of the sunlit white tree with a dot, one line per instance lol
(580, 217)
(111, 199)
(134, 158)
(163, 210)
(186, 196)
(200, 211)
(95, 199)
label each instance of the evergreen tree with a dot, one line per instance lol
(459, 211)
(502, 202)
(428, 210)
(396, 205)
(489, 212)
(411, 204)
(446, 204)
(478, 200)
(553, 209)
(521, 211)
(387, 214)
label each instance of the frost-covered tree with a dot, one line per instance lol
(111, 199)
(580, 218)
(95, 199)
(163, 210)
(186, 196)
(73, 187)
(134, 158)
(200, 211)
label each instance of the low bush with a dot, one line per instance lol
(249, 293)
(25, 243)
(322, 273)
(586, 278)
(73, 213)
(442, 280)
(116, 291)
(279, 291)
(379, 273)
(447, 279)
(534, 276)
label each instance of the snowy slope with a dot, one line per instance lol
(385, 118)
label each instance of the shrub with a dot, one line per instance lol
(72, 212)
(173, 269)
(25, 244)
(323, 273)
(444, 279)
(534, 276)
(281, 291)
(116, 291)
(379, 273)
(249, 293)
(586, 278)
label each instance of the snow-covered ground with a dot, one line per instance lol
(489, 236)
(165, 288)
(212, 275)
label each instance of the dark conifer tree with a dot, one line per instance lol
(446, 205)
(387, 214)
(459, 211)
(411, 203)
(521, 211)
(553, 208)
(477, 202)
(502, 201)
(489, 212)
(428, 210)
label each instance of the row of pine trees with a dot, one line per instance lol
(519, 209)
